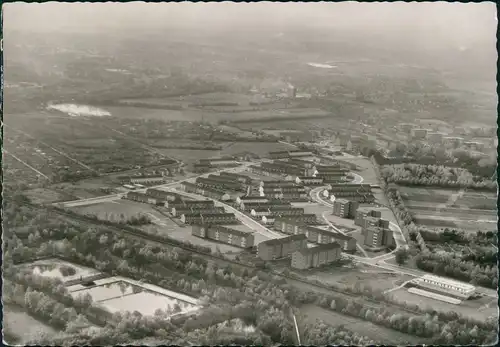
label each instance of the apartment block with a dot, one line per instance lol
(225, 234)
(377, 237)
(307, 258)
(281, 248)
(345, 208)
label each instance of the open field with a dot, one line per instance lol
(127, 207)
(448, 208)
(360, 274)
(378, 333)
(24, 326)
(478, 309)
(166, 227)
(261, 149)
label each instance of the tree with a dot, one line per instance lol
(402, 256)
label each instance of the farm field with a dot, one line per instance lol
(448, 208)
(480, 309)
(378, 333)
(22, 325)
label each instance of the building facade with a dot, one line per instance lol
(281, 248)
(445, 286)
(376, 237)
(225, 234)
(307, 258)
(345, 208)
(209, 218)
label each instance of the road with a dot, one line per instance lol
(113, 197)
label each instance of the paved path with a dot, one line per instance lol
(25, 164)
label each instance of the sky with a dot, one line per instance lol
(460, 22)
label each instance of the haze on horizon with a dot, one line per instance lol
(458, 23)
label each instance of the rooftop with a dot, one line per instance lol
(448, 281)
(285, 239)
(320, 248)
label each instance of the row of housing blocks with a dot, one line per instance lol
(189, 211)
(375, 230)
(296, 247)
(361, 193)
(302, 171)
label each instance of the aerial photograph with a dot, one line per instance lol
(249, 174)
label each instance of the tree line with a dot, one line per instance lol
(435, 175)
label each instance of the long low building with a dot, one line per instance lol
(209, 218)
(290, 154)
(313, 257)
(309, 180)
(141, 197)
(225, 234)
(445, 286)
(218, 184)
(190, 203)
(163, 195)
(257, 199)
(306, 218)
(248, 206)
(241, 178)
(208, 192)
(281, 248)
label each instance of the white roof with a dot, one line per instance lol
(450, 282)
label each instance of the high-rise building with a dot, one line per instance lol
(377, 237)
(345, 208)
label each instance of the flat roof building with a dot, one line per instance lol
(445, 286)
(281, 247)
(313, 257)
(225, 234)
(345, 208)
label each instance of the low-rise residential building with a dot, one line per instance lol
(225, 234)
(179, 211)
(209, 218)
(217, 162)
(278, 184)
(281, 247)
(309, 180)
(445, 286)
(315, 234)
(349, 187)
(257, 199)
(306, 218)
(163, 195)
(202, 167)
(248, 206)
(209, 193)
(141, 197)
(290, 154)
(376, 237)
(241, 178)
(151, 180)
(419, 134)
(217, 184)
(313, 257)
(190, 203)
(345, 208)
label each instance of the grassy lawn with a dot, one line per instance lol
(378, 333)
(22, 325)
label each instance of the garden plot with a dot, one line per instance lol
(118, 294)
(449, 208)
